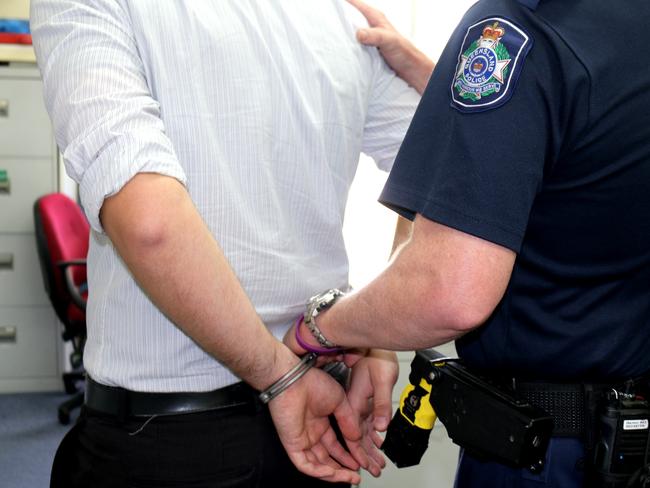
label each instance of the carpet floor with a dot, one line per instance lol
(29, 436)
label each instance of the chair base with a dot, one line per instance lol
(73, 383)
(66, 407)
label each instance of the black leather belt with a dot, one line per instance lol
(125, 403)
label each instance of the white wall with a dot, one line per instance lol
(368, 225)
(14, 9)
(369, 230)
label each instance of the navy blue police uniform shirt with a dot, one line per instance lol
(534, 134)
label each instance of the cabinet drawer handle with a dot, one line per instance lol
(5, 182)
(4, 108)
(6, 260)
(7, 334)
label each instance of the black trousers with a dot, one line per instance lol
(232, 447)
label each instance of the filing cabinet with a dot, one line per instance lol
(30, 344)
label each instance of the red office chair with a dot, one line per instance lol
(62, 234)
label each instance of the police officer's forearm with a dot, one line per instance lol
(174, 258)
(441, 285)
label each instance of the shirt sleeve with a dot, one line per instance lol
(479, 172)
(390, 110)
(106, 122)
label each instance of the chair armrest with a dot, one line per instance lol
(71, 262)
(73, 289)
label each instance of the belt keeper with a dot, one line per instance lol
(293, 375)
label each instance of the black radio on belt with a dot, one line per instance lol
(487, 421)
(622, 450)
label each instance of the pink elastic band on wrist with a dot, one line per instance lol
(310, 348)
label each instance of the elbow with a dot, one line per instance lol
(457, 312)
(146, 214)
(148, 236)
(465, 317)
(137, 233)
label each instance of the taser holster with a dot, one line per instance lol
(489, 422)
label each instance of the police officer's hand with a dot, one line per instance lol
(301, 417)
(407, 61)
(370, 395)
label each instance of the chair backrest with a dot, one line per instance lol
(62, 234)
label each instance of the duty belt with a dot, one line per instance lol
(570, 404)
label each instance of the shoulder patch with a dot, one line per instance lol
(489, 64)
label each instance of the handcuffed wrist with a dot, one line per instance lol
(289, 378)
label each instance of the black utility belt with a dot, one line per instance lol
(612, 420)
(567, 404)
(512, 422)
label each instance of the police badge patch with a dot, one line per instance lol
(489, 64)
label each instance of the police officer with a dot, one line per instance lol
(526, 171)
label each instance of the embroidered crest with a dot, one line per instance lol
(489, 65)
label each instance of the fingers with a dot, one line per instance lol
(321, 454)
(301, 417)
(374, 380)
(359, 453)
(352, 356)
(382, 406)
(377, 440)
(344, 476)
(309, 464)
(373, 449)
(377, 463)
(347, 421)
(371, 442)
(324, 453)
(376, 37)
(367, 449)
(370, 395)
(384, 375)
(335, 450)
(373, 16)
(318, 456)
(349, 424)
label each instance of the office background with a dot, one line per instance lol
(368, 228)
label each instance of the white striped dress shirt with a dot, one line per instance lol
(260, 108)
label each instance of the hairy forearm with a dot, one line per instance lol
(442, 284)
(387, 314)
(174, 258)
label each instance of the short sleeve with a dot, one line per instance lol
(478, 171)
(106, 122)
